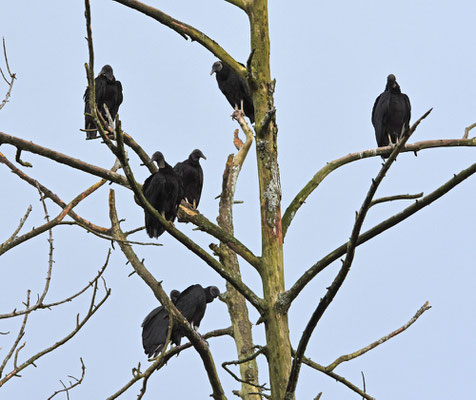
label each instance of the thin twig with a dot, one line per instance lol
(12, 77)
(50, 224)
(363, 382)
(337, 377)
(244, 360)
(85, 224)
(93, 308)
(467, 129)
(40, 306)
(72, 385)
(360, 352)
(17, 340)
(396, 197)
(160, 362)
(22, 222)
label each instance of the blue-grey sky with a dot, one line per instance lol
(330, 60)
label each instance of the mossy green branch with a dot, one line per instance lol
(205, 225)
(186, 31)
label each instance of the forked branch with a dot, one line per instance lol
(93, 307)
(371, 346)
(346, 264)
(72, 384)
(11, 75)
(48, 193)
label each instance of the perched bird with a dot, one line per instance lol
(234, 88)
(163, 190)
(191, 174)
(391, 113)
(155, 328)
(192, 303)
(109, 92)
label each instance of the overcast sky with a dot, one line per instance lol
(330, 60)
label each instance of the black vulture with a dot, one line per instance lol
(163, 190)
(192, 303)
(391, 113)
(191, 175)
(234, 88)
(155, 328)
(109, 92)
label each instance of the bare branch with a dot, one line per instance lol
(159, 362)
(93, 307)
(186, 31)
(48, 193)
(378, 342)
(12, 77)
(50, 224)
(63, 159)
(301, 197)
(244, 360)
(338, 378)
(287, 297)
(467, 129)
(15, 233)
(396, 197)
(17, 340)
(72, 385)
(346, 264)
(40, 306)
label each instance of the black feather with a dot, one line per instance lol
(234, 88)
(391, 113)
(163, 190)
(155, 328)
(191, 175)
(108, 91)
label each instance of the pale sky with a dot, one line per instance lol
(330, 60)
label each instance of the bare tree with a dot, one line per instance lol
(284, 363)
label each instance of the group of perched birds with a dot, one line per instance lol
(165, 189)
